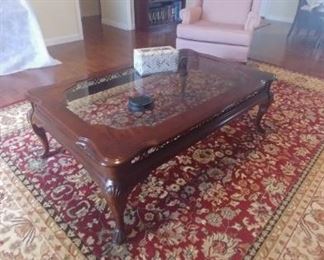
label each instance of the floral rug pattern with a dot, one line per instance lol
(26, 229)
(298, 234)
(216, 200)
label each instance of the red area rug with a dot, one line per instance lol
(219, 199)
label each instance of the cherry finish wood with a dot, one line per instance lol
(39, 131)
(106, 47)
(119, 158)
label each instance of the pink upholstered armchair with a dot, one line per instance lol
(222, 28)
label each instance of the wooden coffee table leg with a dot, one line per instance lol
(263, 108)
(39, 131)
(117, 199)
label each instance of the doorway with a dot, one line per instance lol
(90, 8)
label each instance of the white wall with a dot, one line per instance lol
(279, 10)
(59, 20)
(118, 13)
(90, 7)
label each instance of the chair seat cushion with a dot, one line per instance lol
(215, 33)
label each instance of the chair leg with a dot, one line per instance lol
(318, 43)
(291, 29)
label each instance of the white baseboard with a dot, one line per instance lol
(123, 26)
(90, 15)
(279, 18)
(63, 39)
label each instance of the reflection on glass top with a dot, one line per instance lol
(104, 101)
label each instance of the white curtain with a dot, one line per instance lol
(21, 42)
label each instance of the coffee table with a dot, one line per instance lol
(119, 148)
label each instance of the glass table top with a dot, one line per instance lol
(104, 101)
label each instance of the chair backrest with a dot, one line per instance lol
(226, 11)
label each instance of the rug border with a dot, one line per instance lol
(289, 219)
(292, 77)
(22, 197)
(281, 209)
(51, 211)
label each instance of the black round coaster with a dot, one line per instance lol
(140, 103)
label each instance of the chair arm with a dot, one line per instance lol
(190, 15)
(253, 20)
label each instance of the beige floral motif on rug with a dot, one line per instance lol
(299, 233)
(26, 229)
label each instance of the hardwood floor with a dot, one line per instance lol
(107, 47)
(270, 45)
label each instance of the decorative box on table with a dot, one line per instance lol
(156, 59)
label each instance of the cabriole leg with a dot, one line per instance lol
(39, 131)
(263, 108)
(117, 199)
